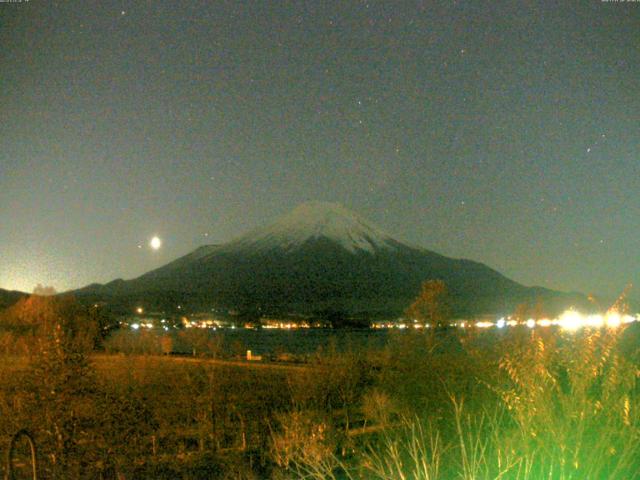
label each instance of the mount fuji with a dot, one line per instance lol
(319, 260)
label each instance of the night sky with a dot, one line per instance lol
(504, 132)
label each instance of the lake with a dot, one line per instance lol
(301, 341)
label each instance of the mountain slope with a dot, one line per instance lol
(319, 259)
(9, 297)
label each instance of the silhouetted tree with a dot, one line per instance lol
(538, 310)
(431, 306)
(60, 378)
(44, 291)
(521, 312)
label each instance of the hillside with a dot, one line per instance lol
(10, 297)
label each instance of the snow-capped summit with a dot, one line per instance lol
(320, 260)
(315, 220)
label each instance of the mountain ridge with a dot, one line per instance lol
(10, 297)
(319, 258)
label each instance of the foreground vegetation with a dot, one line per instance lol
(512, 404)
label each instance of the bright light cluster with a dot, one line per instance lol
(569, 320)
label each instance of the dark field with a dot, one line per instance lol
(303, 342)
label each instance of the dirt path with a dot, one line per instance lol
(209, 361)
